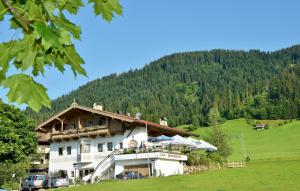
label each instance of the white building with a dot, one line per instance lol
(91, 143)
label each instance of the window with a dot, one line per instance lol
(72, 173)
(85, 148)
(109, 146)
(69, 150)
(121, 145)
(72, 126)
(100, 147)
(39, 177)
(60, 151)
(57, 128)
(91, 123)
(101, 122)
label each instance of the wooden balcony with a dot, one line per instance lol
(79, 133)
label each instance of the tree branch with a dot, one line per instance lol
(19, 18)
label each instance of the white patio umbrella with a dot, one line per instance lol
(178, 140)
(200, 144)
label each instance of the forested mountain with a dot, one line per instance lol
(184, 86)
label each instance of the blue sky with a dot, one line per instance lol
(150, 29)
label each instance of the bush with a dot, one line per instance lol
(130, 151)
(219, 138)
(215, 157)
(97, 179)
(8, 169)
(197, 159)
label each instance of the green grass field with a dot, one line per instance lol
(275, 142)
(274, 165)
(271, 175)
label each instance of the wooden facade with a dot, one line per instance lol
(78, 121)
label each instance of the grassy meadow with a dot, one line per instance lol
(259, 175)
(275, 142)
(274, 165)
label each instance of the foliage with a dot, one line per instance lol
(217, 136)
(7, 169)
(214, 116)
(195, 123)
(47, 41)
(185, 86)
(197, 159)
(17, 135)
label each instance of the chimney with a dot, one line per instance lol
(163, 121)
(138, 115)
(97, 107)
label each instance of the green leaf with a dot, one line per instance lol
(75, 60)
(14, 24)
(107, 8)
(58, 60)
(62, 22)
(48, 34)
(23, 89)
(26, 57)
(2, 11)
(49, 6)
(72, 6)
(8, 51)
(34, 11)
(38, 66)
(65, 38)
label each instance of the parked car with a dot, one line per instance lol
(129, 175)
(55, 182)
(33, 182)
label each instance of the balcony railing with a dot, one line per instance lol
(85, 157)
(77, 133)
(148, 150)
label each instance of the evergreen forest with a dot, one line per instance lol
(184, 86)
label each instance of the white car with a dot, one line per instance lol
(33, 182)
(55, 182)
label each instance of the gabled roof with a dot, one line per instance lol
(117, 116)
(76, 106)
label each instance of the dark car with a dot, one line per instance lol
(129, 175)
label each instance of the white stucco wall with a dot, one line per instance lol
(162, 167)
(65, 162)
(165, 167)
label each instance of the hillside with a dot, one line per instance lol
(274, 164)
(275, 142)
(184, 86)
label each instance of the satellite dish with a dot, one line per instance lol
(138, 115)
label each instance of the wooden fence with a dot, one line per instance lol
(239, 164)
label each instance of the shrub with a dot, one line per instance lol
(97, 179)
(8, 169)
(197, 159)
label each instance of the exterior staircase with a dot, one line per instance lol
(101, 168)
